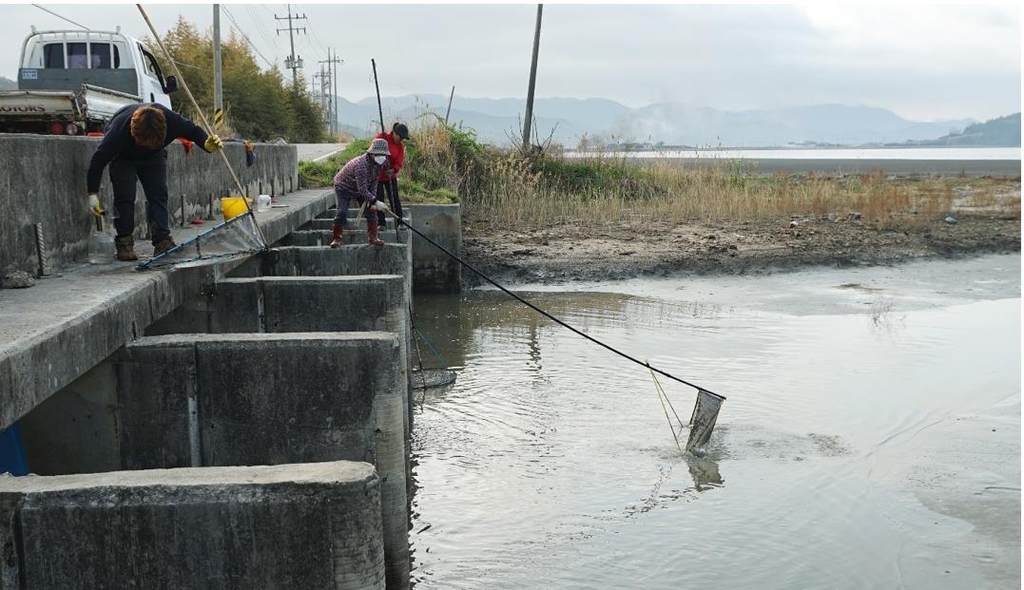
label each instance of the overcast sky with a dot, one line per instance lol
(923, 61)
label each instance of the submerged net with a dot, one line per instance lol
(430, 378)
(702, 422)
(236, 236)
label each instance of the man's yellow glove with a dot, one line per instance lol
(213, 143)
(95, 207)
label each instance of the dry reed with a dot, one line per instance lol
(503, 188)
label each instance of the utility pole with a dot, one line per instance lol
(218, 90)
(449, 111)
(325, 91)
(334, 119)
(292, 62)
(318, 89)
(533, 81)
(331, 112)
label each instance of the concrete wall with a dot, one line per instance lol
(43, 181)
(315, 525)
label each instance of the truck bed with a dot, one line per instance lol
(88, 107)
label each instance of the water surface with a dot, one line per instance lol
(1002, 153)
(871, 436)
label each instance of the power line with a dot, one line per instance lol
(244, 36)
(59, 16)
(319, 44)
(270, 41)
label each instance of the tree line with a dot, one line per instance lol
(259, 105)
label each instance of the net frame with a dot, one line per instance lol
(233, 237)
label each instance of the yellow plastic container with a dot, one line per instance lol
(232, 207)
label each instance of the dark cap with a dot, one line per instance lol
(400, 130)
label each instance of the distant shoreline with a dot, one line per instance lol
(788, 161)
(987, 168)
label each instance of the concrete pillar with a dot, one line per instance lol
(301, 304)
(434, 271)
(246, 399)
(347, 260)
(312, 525)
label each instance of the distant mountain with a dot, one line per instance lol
(567, 120)
(1000, 132)
(8, 84)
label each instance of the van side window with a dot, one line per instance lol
(77, 56)
(53, 55)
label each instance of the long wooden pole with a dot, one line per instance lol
(380, 111)
(202, 117)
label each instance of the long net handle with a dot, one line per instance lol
(202, 117)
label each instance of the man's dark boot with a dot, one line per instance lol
(125, 248)
(336, 236)
(162, 245)
(371, 233)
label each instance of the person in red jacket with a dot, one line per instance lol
(388, 179)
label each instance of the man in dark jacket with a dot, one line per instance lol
(133, 146)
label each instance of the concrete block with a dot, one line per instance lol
(262, 398)
(310, 304)
(274, 399)
(434, 271)
(323, 237)
(313, 525)
(389, 259)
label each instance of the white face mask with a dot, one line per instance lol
(380, 159)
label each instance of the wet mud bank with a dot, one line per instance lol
(564, 253)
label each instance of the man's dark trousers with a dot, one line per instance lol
(396, 204)
(152, 173)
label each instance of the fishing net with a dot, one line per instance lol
(430, 378)
(702, 422)
(236, 236)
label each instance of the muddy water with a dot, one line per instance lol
(871, 437)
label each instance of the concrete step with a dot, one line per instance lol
(353, 221)
(323, 237)
(313, 525)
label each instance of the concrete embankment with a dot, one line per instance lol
(121, 380)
